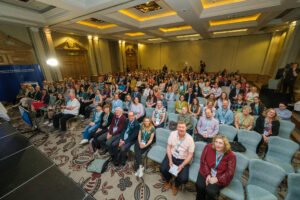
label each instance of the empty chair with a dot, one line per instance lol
(229, 131)
(143, 100)
(250, 139)
(195, 165)
(286, 128)
(201, 100)
(293, 187)
(149, 112)
(158, 151)
(281, 152)
(171, 106)
(235, 189)
(51, 101)
(172, 117)
(264, 178)
(273, 84)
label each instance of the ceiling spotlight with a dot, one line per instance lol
(96, 38)
(90, 37)
(52, 62)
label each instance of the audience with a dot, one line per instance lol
(116, 103)
(224, 115)
(207, 127)
(180, 151)
(159, 115)
(195, 108)
(257, 107)
(217, 167)
(151, 100)
(238, 104)
(282, 112)
(138, 109)
(188, 119)
(180, 104)
(244, 120)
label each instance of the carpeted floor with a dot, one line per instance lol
(114, 184)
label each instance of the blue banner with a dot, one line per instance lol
(25, 115)
(11, 76)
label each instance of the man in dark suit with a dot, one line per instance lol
(188, 97)
(127, 138)
(235, 91)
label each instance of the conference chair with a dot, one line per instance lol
(273, 84)
(202, 101)
(51, 101)
(194, 125)
(280, 152)
(286, 128)
(171, 106)
(235, 189)
(158, 151)
(250, 139)
(229, 131)
(264, 178)
(293, 183)
(172, 117)
(143, 100)
(149, 112)
(195, 165)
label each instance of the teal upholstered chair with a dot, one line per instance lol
(273, 84)
(159, 149)
(229, 131)
(286, 128)
(280, 152)
(235, 189)
(201, 100)
(250, 139)
(172, 117)
(264, 178)
(143, 100)
(149, 112)
(195, 165)
(194, 125)
(51, 102)
(171, 106)
(293, 187)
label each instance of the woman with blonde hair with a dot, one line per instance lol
(267, 125)
(217, 167)
(145, 139)
(244, 120)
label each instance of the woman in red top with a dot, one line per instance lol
(217, 166)
(43, 102)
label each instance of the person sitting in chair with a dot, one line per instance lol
(224, 115)
(207, 127)
(188, 119)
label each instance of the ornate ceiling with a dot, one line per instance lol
(154, 21)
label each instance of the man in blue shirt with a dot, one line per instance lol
(136, 93)
(116, 103)
(224, 115)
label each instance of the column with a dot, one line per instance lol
(97, 54)
(52, 54)
(91, 56)
(40, 52)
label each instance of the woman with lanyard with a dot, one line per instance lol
(158, 116)
(97, 100)
(217, 167)
(145, 139)
(238, 104)
(257, 107)
(206, 89)
(180, 103)
(87, 101)
(195, 108)
(267, 125)
(244, 120)
(151, 100)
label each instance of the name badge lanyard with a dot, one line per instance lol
(242, 119)
(144, 136)
(218, 160)
(207, 124)
(194, 108)
(224, 113)
(106, 118)
(256, 108)
(179, 143)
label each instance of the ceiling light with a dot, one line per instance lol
(90, 37)
(96, 25)
(186, 36)
(179, 28)
(134, 34)
(154, 39)
(96, 38)
(138, 18)
(52, 62)
(231, 31)
(234, 20)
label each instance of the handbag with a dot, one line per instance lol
(173, 126)
(237, 146)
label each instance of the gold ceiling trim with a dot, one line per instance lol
(231, 31)
(138, 18)
(234, 20)
(155, 39)
(219, 3)
(187, 36)
(179, 28)
(96, 25)
(134, 34)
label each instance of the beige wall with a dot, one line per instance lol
(246, 53)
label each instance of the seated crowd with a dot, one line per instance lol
(118, 105)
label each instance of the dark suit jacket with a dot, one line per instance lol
(260, 109)
(186, 97)
(233, 93)
(38, 96)
(133, 131)
(46, 99)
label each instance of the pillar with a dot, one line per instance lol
(91, 56)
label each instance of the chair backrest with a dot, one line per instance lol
(149, 112)
(199, 146)
(286, 128)
(293, 187)
(176, 97)
(280, 149)
(229, 131)
(172, 117)
(241, 164)
(201, 100)
(273, 84)
(162, 136)
(171, 106)
(194, 125)
(255, 118)
(250, 139)
(225, 89)
(52, 100)
(265, 175)
(143, 100)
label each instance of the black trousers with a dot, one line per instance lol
(182, 177)
(199, 137)
(138, 152)
(290, 85)
(82, 107)
(62, 118)
(119, 154)
(210, 192)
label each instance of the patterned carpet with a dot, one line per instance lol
(114, 184)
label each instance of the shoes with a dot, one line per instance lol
(174, 190)
(167, 186)
(50, 124)
(103, 152)
(81, 116)
(92, 147)
(141, 174)
(137, 173)
(46, 122)
(84, 141)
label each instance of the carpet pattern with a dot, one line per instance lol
(114, 183)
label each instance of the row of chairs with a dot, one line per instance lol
(264, 176)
